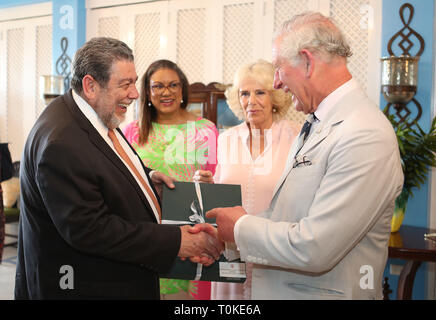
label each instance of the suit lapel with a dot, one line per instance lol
(104, 148)
(142, 165)
(313, 140)
(319, 133)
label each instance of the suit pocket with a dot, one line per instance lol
(301, 185)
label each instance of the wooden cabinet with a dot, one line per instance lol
(209, 101)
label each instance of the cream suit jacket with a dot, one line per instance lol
(325, 235)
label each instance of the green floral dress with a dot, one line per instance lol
(178, 151)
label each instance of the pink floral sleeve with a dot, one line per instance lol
(131, 132)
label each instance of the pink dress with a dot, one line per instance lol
(257, 177)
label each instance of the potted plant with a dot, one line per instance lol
(417, 150)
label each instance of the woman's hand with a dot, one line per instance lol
(203, 176)
(158, 179)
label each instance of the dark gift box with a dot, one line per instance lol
(181, 206)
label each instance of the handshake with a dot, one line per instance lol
(200, 244)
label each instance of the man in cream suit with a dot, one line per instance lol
(325, 235)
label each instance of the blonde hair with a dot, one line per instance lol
(263, 72)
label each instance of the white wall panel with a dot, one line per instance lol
(191, 43)
(43, 61)
(210, 39)
(348, 17)
(237, 37)
(109, 27)
(147, 40)
(285, 9)
(25, 54)
(15, 94)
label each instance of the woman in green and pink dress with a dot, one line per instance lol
(171, 140)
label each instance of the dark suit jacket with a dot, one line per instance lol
(81, 207)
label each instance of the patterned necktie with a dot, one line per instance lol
(126, 159)
(304, 133)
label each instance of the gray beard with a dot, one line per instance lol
(110, 120)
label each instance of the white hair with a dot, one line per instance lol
(314, 32)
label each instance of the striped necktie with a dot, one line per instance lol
(129, 162)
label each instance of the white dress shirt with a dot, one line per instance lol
(101, 128)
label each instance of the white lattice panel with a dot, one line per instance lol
(43, 60)
(212, 45)
(109, 27)
(237, 38)
(191, 43)
(295, 115)
(286, 9)
(347, 14)
(15, 57)
(147, 41)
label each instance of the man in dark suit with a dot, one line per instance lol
(89, 225)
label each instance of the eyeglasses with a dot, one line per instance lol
(159, 88)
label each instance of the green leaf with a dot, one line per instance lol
(417, 150)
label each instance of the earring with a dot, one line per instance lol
(181, 101)
(149, 104)
(274, 109)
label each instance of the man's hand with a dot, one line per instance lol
(211, 230)
(226, 219)
(199, 245)
(159, 178)
(203, 176)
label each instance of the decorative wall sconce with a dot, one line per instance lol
(399, 78)
(51, 86)
(63, 64)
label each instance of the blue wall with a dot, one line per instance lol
(15, 3)
(417, 212)
(69, 34)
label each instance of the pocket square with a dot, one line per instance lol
(301, 160)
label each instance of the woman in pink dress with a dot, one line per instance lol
(252, 154)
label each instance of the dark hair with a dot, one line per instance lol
(96, 58)
(149, 113)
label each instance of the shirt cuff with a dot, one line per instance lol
(236, 229)
(150, 174)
